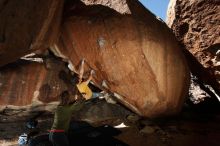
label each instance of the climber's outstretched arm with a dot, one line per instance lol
(92, 72)
(81, 70)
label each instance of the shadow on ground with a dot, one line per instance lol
(85, 134)
(82, 133)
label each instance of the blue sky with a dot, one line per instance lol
(158, 7)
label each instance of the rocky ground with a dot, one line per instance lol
(195, 125)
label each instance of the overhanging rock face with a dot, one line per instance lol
(137, 57)
(26, 26)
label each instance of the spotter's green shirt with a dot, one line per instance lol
(63, 116)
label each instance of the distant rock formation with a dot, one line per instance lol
(196, 24)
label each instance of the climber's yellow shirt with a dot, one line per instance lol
(84, 89)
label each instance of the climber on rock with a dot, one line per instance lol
(83, 85)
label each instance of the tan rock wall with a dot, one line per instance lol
(26, 82)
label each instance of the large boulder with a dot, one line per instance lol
(135, 55)
(26, 26)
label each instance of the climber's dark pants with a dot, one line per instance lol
(59, 138)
